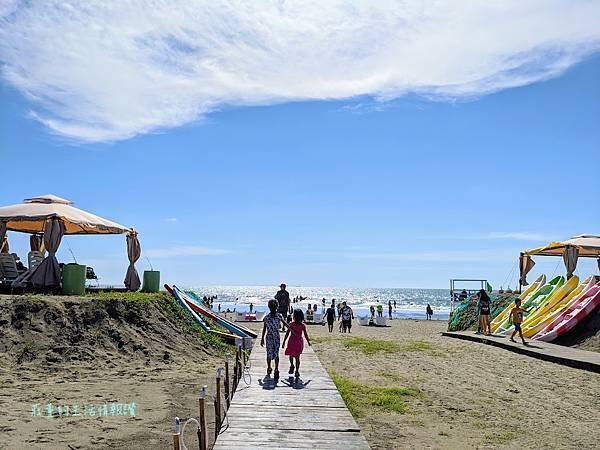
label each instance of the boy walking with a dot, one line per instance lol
(517, 319)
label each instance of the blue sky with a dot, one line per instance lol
(406, 192)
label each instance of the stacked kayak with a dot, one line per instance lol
(552, 307)
(572, 314)
(532, 302)
(505, 313)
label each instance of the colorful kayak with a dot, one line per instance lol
(225, 336)
(548, 311)
(504, 314)
(532, 302)
(544, 306)
(205, 312)
(569, 320)
(564, 305)
(560, 318)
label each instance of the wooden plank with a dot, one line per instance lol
(304, 413)
(559, 354)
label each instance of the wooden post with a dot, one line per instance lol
(218, 404)
(176, 435)
(227, 393)
(202, 417)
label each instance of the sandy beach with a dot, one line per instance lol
(469, 395)
(86, 352)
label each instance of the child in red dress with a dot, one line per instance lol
(296, 344)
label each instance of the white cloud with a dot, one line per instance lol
(184, 250)
(171, 219)
(440, 256)
(109, 70)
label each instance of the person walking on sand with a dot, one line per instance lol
(429, 312)
(283, 301)
(390, 309)
(484, 312)
(379, 309)
(271, 324)
(330, 313)
(517, 319)
(346, 317)
(296, 331)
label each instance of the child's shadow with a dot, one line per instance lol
(267, 383)
(295, 383)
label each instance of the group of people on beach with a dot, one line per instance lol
(278, 319)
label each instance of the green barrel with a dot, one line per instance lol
(73, 279)
(151, 281)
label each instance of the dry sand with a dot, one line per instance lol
(84, 351)
(473, 395)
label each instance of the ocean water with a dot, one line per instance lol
(410, 303)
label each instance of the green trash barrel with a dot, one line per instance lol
(151, 281)
(73, 279)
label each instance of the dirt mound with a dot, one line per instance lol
(585, 335)
(47, 331)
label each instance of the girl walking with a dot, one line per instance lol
(272, 322)
(296, 331)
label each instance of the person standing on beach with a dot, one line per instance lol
(251, 308)
(296, 330)
(484, 312)
(346, 316)
(330, 313)
(323, 301)
(429, 312)
(271, 324)
(394, 304)
(283, 301)
(390, 308)
(379, 309)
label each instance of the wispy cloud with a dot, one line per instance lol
(112, 69)
(421, 256)
(519, 236)
(185, 250)
(171, 219)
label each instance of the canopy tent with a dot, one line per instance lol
(54, 217)
(583, 246)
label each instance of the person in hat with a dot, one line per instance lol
(283, 301)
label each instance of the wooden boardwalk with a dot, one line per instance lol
(291, 414)
(567, 356)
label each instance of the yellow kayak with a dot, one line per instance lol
(558, 306)
(539, 312)
(503, 315)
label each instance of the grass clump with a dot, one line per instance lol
(361, 399)
(501, 437)
(371, 346)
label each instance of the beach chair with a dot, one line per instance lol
(363, 320)
(34, 259)
(8, 268)
(240, 317)
(380, 321)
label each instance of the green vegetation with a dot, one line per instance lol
(501, 437)
(361, 399)
(372, 346)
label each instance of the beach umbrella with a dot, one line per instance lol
(54, 217)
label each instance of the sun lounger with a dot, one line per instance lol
(363, 320)
(8, 268)
(34, 259)
(380, 321)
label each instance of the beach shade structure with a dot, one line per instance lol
(36, 243)
(54, 217)
(132, 279)
(583, 246)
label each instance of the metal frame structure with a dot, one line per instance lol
(453, 299)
